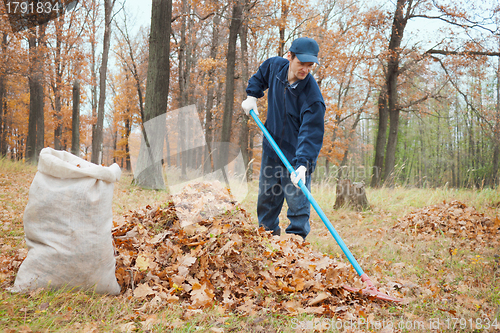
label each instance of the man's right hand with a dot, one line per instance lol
(249, 104)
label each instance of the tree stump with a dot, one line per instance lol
(351, 194)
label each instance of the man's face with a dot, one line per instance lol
(298, 70)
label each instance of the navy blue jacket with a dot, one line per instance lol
(295, 113)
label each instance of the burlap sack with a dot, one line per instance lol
(67, 225)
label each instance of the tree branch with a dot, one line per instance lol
(461, 25)
(464, 95)
(467, 53)
(194, 14)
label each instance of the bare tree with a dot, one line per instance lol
(3, 95)
(158, 80)
(129, 61)
(491, 121)
(389, 104)
(97, 135)
(36, 128)
(234, 29)
(210, 94)
(245, 132)
(75, 133)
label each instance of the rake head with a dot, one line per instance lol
(370, 290)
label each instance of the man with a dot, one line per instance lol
(295, 119)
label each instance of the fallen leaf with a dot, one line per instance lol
(200, 297)
(142, 263)
(150, 321)
(24, 329)
(318, 299)
(217, 330)
(127, 327)
(143, 290)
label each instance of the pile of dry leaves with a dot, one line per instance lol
(226, 261)
(454, 219)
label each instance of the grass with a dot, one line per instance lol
(446, 281)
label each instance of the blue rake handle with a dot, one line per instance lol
(309, 196)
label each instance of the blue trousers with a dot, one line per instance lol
(275, 186)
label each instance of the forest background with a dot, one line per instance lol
(412, 87)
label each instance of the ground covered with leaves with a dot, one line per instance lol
(437, 249)
(453, 219)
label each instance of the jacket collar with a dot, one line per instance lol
(297, 87)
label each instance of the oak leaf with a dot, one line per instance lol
(200, 296)
(143, 290)
(142, 263)
(318, 299)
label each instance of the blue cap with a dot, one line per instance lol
(306, 49)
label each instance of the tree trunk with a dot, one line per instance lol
(390, 153)
(97, 139)
(167, 143)
(93, 87)
(350, 194)
(398, 26)
(227, 117)
(3, 129)
(31, 138)
(115, 143)
(496, 133)
(183, 91)
(494, 174)
(75, 121)
(3, 104)
(381, 140)
(149, 172)
(128, 129)
(140, 95)
(58, 119)
(134, 70)
(219, 94)
(282, 26)
(244, 135)
(188, 98)
(36, 128)
(457, 136)
(207, 165)
(348, 139)
(40, 119)
(56, 87)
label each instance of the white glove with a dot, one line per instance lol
(299, 174)
(249, 104)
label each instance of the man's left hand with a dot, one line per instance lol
(299, 174)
